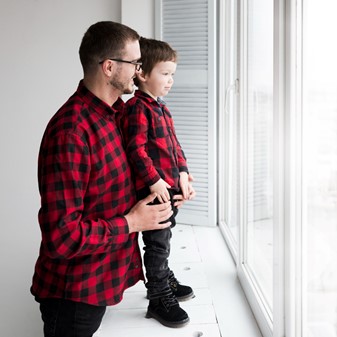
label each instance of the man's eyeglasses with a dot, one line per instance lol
(137, 64)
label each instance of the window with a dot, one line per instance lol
(246, 147)
(277, 148)
(257, 107)
(320, 168)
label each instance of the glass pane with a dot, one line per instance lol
(259, 254)
(232, 124)
(320, 166)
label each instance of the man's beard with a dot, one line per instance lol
(122, 86)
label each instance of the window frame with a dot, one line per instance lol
(228, 89)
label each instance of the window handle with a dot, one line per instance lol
(233, 87)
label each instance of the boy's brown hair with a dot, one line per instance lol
(152, 52)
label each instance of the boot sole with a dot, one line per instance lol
(178, 324)
(181, 298)
(186, 297)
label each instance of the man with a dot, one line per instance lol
(89, 217)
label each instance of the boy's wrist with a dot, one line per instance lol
(153, 181)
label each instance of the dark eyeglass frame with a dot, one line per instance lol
(137, 64)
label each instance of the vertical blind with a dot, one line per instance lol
(189, 27)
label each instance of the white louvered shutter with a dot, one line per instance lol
(189, 27)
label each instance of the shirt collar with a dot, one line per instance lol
(148, 98)
(100, 106)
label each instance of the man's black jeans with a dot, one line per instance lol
(64, 318)
(157, 251)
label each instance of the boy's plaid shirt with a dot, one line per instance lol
(86, 253)
(151, 142)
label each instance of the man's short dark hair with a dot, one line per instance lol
(103, 40)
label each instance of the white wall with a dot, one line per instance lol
(39, 70)
(139, 15)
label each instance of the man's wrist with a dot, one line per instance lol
(130, 222)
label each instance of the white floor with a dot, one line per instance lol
(199, 258)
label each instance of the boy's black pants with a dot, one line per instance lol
(157, 251)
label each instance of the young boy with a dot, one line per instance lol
(160, 166)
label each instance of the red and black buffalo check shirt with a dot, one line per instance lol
(86, 254)
(151, 142)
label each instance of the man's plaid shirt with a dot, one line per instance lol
(86, 253)
(151, 142)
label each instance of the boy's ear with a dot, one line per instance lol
(141, 76)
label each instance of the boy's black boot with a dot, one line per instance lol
(181, 292)
(167, 311)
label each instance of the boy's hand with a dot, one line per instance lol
(160, 188)
(186, 186)
(183, 183)
(191, 190)
(179, 199)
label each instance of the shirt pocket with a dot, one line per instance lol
(160, 129)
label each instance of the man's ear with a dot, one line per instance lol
(107, 67)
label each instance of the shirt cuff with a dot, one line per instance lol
(183, 169)
(150, 180)
(118, 226)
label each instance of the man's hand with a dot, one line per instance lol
(144, 217)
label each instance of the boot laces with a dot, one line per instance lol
(173, 282)
(169, 301)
